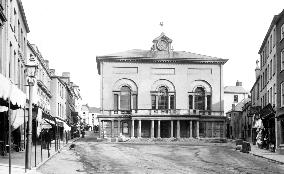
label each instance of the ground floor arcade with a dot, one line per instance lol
(143, 127)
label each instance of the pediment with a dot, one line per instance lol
(162, 37)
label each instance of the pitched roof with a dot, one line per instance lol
(239, 106)
(138, 53)
(235, 89)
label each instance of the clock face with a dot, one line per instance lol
(162, 45)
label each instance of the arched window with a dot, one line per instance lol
(163, 98)
(125, 98)
(199, 99)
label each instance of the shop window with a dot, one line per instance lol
(282, 131)
(125, 128)
(202, 129)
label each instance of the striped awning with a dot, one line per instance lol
(10, 91)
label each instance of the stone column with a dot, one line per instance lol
(159, 129)
(139, 128)
(190, 131)
(152, 128)
(132, 129)
(197, 129)
(178, 129)
(118, 128)
(112, 128)
(172, 128)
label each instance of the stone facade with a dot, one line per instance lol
(280, 82)
(161, 93)
(233, 95)
(266, 92)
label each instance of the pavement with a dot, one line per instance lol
(18, 159)
(266, 154)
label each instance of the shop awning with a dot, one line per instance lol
(10, 91)
(267, 112)
(17, 117)
(45, 124)
(66, 127)
(59, 122)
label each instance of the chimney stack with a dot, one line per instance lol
(52, 72)
(66, 74)
(238, 83)
(257, 70)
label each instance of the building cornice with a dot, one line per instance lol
(159, 60)
(273, 22)
(44, 88)
(40, 59)
(21, 8)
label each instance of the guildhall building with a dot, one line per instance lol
(161, 93)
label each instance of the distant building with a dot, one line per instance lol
(42, 92)
(234, 95)
(267, 92)
(161, 93)
(93, 114)
(239, 123)
(13, 58)
(280, 82)
(58, 101)
(90, 116)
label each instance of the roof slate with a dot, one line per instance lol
(235, 89)
(138, 53)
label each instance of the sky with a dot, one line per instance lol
(71, 33)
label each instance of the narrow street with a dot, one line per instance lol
(90, 156)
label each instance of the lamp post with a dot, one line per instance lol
(31, 73)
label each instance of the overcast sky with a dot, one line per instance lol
(71, 33)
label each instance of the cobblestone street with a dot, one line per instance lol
(102, 157)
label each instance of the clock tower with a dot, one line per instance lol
(162, 43)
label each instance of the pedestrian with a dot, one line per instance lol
(83, 134)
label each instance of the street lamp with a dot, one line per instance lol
(31, 73)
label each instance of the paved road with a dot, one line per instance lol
(101, 157)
